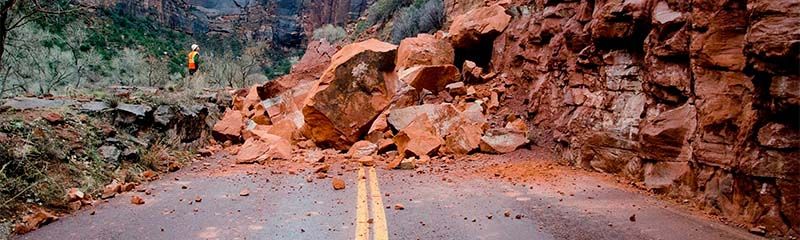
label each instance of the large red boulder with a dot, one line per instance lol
(285, 110)
(315, 60)
(250, 101)
(263, 147)
(284, 128)
(425, 49)
(441, 115)
(230, 126)
(477, 25)
(359, 84)
(419, 138)
(661, 175)
(464, 138)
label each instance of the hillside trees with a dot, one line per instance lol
(382, 10)
(15, 14)
(231, 70)
(35, 64)
(42, 60)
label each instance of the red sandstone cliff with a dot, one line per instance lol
(697, 99)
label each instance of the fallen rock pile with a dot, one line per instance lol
(34, 220)
(377, 100)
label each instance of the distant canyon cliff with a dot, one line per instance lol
(283, 22)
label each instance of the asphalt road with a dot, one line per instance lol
(437, 205)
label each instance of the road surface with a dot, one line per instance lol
(479, 199)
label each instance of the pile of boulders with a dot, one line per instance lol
(375, 97)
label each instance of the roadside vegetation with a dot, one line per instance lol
(399, 19)
(41, 160)
(75, 51)
(420, 17)
(330, 33)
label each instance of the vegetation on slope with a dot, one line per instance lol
(394, 20)
(75, 51)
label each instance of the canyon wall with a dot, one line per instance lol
(696, 99)
(286, 23)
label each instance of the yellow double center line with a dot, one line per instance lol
(380, 231)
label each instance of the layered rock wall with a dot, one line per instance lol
(697, 99)
(286, 23)
(337, 12)
(172, 13)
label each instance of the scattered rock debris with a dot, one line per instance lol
(338, 183)
(135, 199)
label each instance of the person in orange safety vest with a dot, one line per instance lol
(193, 59)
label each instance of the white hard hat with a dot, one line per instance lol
(194, 46)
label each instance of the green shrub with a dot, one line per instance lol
(431, 16)
(405, 24)
(220, 44)
(420, 17)
(122, 31)
(361, 26)
(330, 33)
(280, 67)
(382, 10)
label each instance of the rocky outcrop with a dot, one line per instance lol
(172, 13)
(135, 128)
(692, 98)
(337, 12)
(477, 25)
